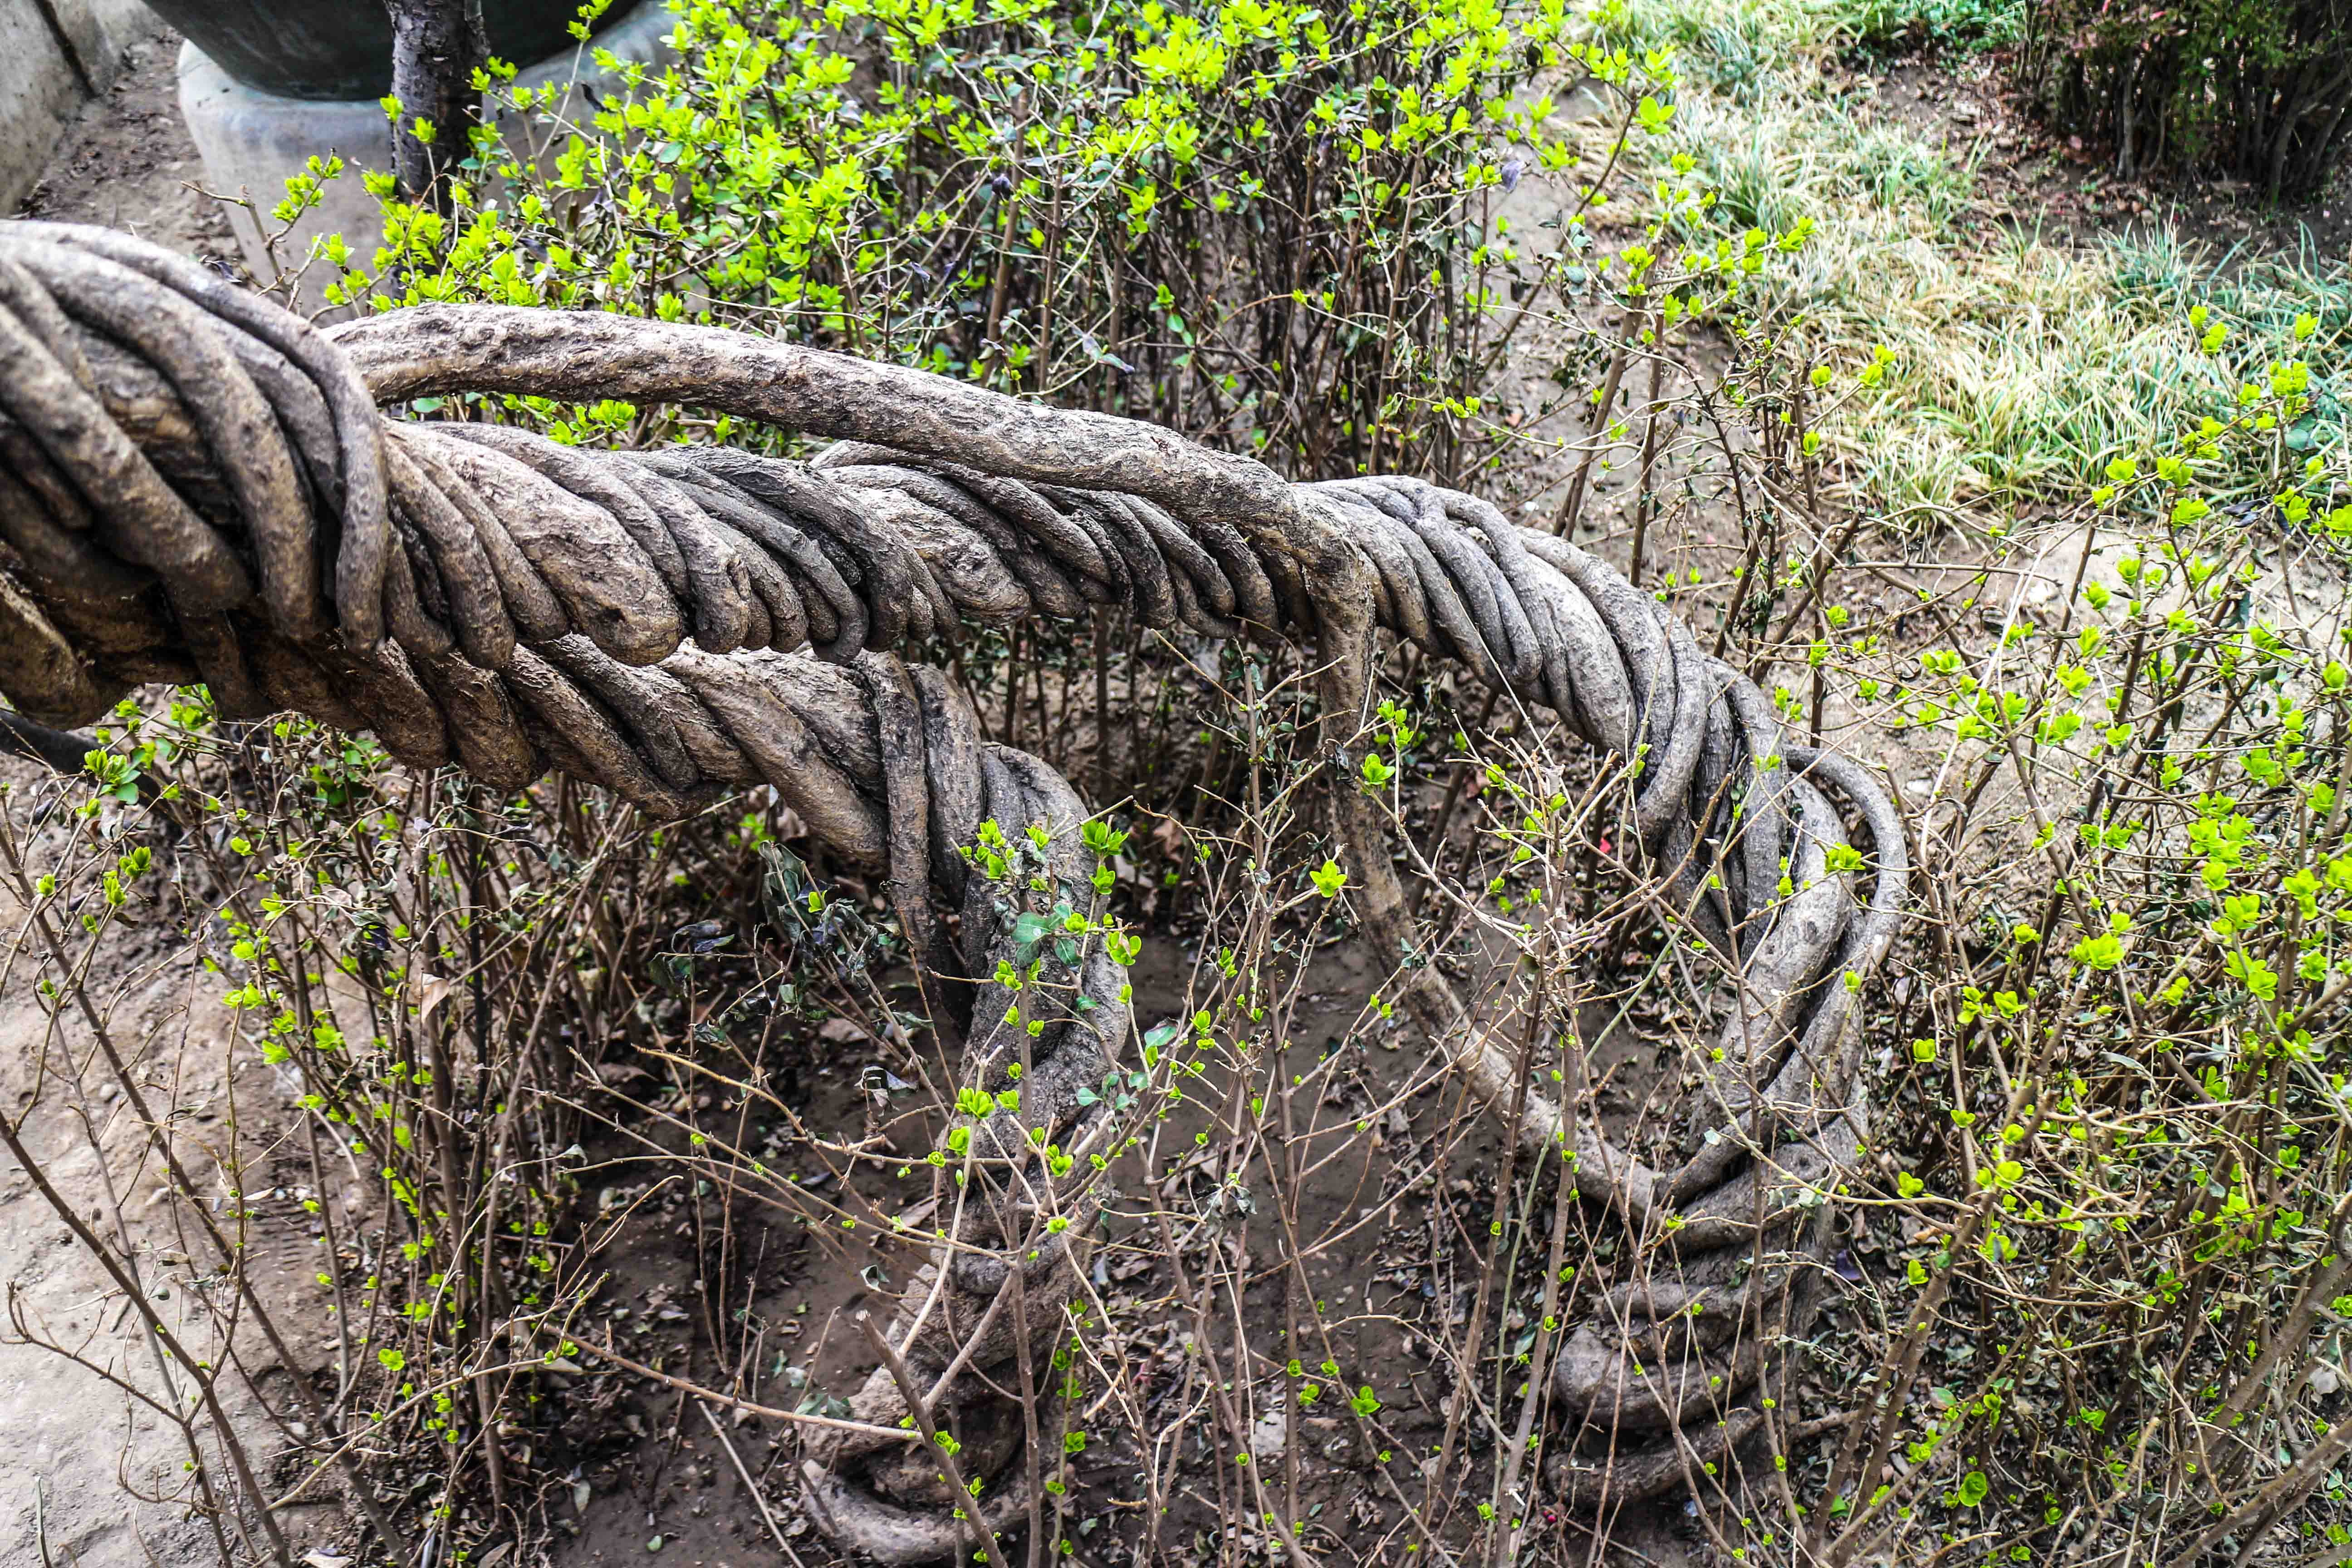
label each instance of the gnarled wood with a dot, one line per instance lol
(540, 600)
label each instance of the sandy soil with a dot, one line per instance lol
(90, 1474)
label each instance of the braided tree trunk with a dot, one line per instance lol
(195, 486)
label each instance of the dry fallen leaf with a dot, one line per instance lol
(428, 991)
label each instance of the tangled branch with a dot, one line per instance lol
(197, 487)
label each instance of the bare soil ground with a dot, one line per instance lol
(89, 1474)
(1390, 1222)
(2068, 190)
(128, 161)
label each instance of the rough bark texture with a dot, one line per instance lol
(436, 47)
(483, 597)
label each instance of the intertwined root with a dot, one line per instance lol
(196, 486)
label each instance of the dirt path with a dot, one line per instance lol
(80, 1447)
(94, 1471)
(129, 164)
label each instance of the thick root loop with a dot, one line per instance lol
(198, 486)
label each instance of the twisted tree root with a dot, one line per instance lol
(195, 487)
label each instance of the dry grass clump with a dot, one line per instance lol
(2021, 365)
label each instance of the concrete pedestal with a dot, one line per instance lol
(251, 142)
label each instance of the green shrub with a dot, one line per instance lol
(2105, 1243)
(2116, 1155)
(2255, 90)
(1265, 223)
(1944, 24)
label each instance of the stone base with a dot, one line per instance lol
(251, 142)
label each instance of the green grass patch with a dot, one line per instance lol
(2023, 364)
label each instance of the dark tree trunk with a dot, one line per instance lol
(2254, 92)
(62, 750)
(2127, 122)
(436, 47)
